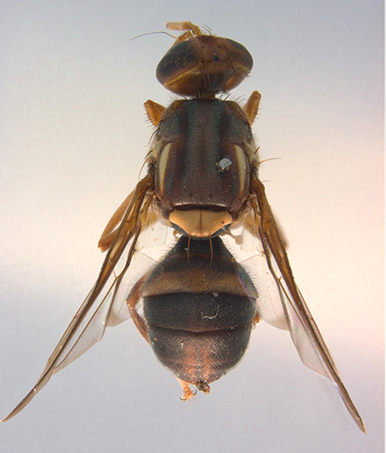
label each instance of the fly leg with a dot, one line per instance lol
(188, 392)
(130, 208)
(132, 301)
(109, 233)
(154, 111)
(252, 106)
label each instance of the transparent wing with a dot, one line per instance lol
(105, 304)
(249, 252)
(281, 302)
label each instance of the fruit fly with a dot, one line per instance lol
(224, 266)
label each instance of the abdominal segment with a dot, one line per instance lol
(199, 310)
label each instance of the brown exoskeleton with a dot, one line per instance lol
(224, 265)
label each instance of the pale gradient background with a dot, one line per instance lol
(73, 137)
